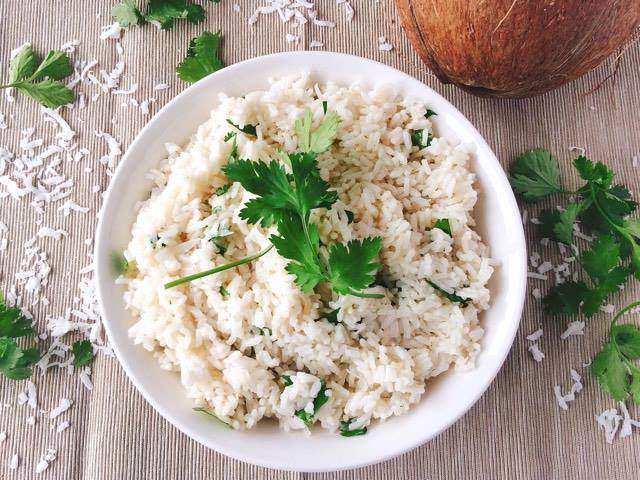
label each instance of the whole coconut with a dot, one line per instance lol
(516, 48)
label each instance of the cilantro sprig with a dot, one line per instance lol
(41, 79)
(320, 399)
(202, 57)
(614, 365)
(602, 208)
(166, 12)
(15, 362)
(286, 199)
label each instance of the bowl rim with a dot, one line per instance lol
(101, 276)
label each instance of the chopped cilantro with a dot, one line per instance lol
(418, 140)
(331, 317)
(443, 224)
(319, 401)
(430, 113)
(247, 128)
(350, 216)
(450, 296)
(119, 263)
(212, 415)
(223, 291)
(223, 189)
(346, 432)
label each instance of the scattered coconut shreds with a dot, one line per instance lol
(383, 45)
(161, 86)
(14, 462)
(576, 387)
(535, 336)
(3, 436)
(536, 353)
(113, 32)
(62, 426)
(608, 308)
(62, 407)
(627, 422)
(31, 420)
(635, 161)
(46, 460)
(536, 293)
(578, 150)
(537, 276)
(236, 8)
(290, 38)
(316, 44)
(573, 328)
(609, 421)
(85, 378)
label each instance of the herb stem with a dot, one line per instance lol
(365, 295)
(227, 266)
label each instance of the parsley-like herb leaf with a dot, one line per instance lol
(351, 266)
(247, 128)
(82, 353)
(452, 297)
(41, 80)
(126, 13)
(444, 225)
(613, 366)
(319, 401)
(202, 57)
(213, 415)
(320, 139)
(346, 432)
(535, 174)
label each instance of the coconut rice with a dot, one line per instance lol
(233, 336)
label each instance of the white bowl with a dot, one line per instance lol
(447, 398)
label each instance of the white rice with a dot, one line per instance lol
(376, 360)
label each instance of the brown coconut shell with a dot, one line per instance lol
(516, 48)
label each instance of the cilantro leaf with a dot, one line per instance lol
(23, 64)
(322, 137)
(213, 415)
(563, 229)
(319, 401)
(202, 57)
(418, 140)
(82, 353)
(270, 183)
(597, 173)
(293, 245)
(627, 338)
(166, 11)
(331, 317)
(50, 93)
(126, 13)
(606, 286)
(565, 298)
(13, 323)
(430, 113)
(248, 128)
(609, 369)
(603, 256)
(56, 66)
(223, 189)
(346, 432)
(443, 224)
(9, 354)
(452, 297)
(286, 379)
(351, 266)
(25, 70)
(311, 190)
(535, 174)
(119, 263)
